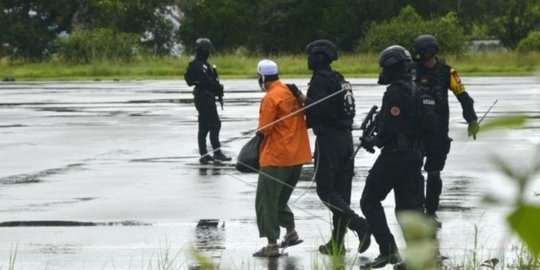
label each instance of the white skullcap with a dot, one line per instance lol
(267, 67)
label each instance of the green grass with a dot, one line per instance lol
(243, 66)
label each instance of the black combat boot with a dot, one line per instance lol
(382, 260)
(205, 159)
(219, 156)
(332, 248)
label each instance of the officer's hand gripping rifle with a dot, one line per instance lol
(368, 129)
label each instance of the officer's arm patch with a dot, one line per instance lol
(395, 111)
(455, 83)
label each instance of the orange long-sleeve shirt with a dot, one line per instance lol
(286, 143)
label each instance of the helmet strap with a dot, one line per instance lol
(260, 78)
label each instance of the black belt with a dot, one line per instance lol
(402, 144)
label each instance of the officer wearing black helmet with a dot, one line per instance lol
(436, 77)
(333, 147)
(207, 87)
(399, 164)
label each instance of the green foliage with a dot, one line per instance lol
(404, 28)
(288, 26)
(525, 221)
(12, 257)
(122, 16)
(419, 231)
(517, 19)
(243, 66)
(146, 19)
(227, 23)
(280, 26)
(203, 262)
(505, 122)
(161, 38)
(97, 44)
(29, 27)
(530, 43)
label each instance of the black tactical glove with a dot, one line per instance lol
(368, 143)
(220, 90)
(294, 90)
(473, 129)
(220, 95)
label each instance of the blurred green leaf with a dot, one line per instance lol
(514, 121)
(416, 227)
(507, 169)
(421, 255)
(525, 221)
(491, 200)
(536, 168)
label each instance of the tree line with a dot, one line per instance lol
(89, 28)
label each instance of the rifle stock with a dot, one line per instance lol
(368, 129)
(220, 96)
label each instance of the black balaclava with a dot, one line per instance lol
(399, 71)
(318, 61)
(202, 55)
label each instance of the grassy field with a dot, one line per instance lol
(240, 66)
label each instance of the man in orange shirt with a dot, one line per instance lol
(284, 150)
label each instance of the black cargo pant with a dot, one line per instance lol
(208, 119)
(402, 172)
(334, 173)
(436, 150)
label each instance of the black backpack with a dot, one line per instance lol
(188, 75)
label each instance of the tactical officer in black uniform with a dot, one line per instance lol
(207, 87)
(399, 164)
(435, 78)
(333, 147)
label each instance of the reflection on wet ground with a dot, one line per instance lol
(97, 175)
(65, 223)
(37, 177)
(210, 234)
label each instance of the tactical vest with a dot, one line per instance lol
(343, 108)
(193, 76)
(436, 82)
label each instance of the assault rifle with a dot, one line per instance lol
(368, 127)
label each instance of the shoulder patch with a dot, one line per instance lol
(395, 111)
(454, 74)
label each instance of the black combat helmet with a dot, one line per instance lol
(425, 46)
(323, 46)
(396, 64)
(393, 55)
(202, 44)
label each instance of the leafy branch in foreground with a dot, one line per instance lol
(525, 219)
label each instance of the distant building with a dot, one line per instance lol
(485, 45)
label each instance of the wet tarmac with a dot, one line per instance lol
(105, 175)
